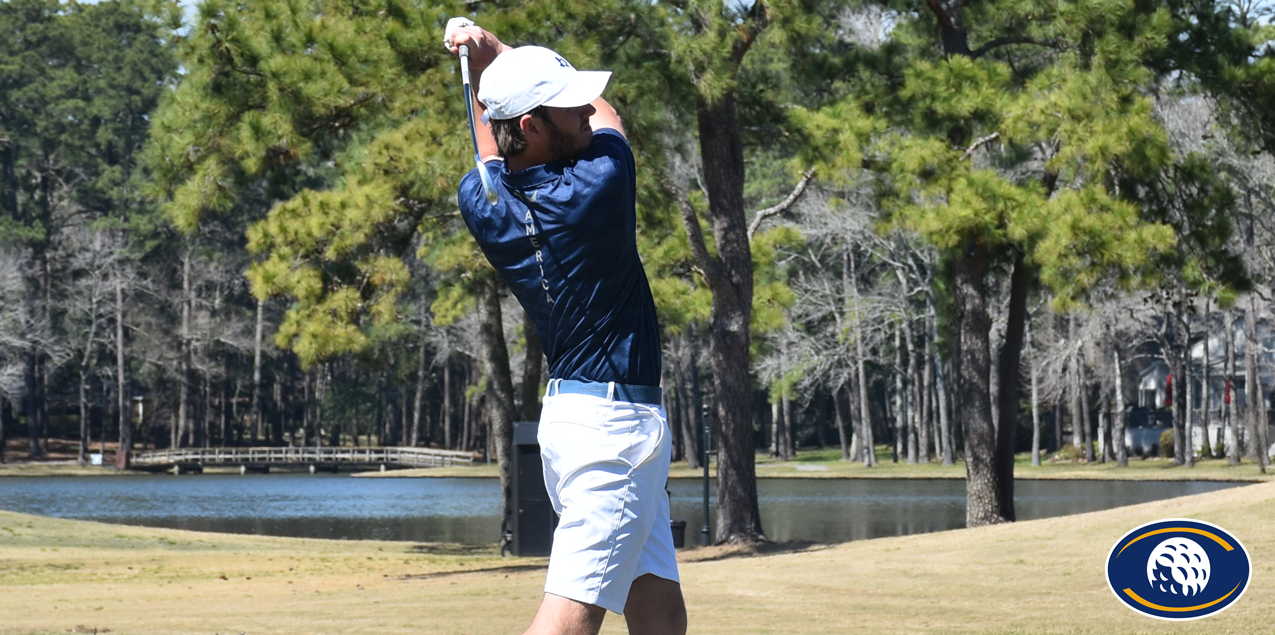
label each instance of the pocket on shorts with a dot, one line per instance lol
(579, 430)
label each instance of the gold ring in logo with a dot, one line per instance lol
(1173, 609)
(1189, 530)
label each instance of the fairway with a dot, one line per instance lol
(1045, 576)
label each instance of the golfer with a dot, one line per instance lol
(562, 234)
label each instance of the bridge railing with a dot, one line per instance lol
(399, 456)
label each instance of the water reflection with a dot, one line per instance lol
(468, 510)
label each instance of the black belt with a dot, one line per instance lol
(649, 395)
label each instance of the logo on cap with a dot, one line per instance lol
(1178, 569)
(563, 63)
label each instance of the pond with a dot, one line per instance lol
(467, 510)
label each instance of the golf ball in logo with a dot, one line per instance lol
(1179, 566)
(1178, 569)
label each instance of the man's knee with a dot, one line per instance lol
(655, 607)
(561, 616)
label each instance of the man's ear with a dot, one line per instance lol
(531, 127)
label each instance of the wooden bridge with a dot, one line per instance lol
(316, 459)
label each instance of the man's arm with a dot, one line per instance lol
(483, 49)
(605, 116)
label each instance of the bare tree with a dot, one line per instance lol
(13, 341)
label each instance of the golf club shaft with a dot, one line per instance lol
(469, 99)
(489, 188)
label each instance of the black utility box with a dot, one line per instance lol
(534, 518)
(679, 533)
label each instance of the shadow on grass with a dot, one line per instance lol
(452, 549)
(725, 552)
(513, 568)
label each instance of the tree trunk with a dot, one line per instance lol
(1253, 385)
(258, 387)
(420, 436)
(1231, 421)
(841, 406)
(927, 401)
(285, 391)
(469, 422)
(1058, 425)
(1035, 403)
(900, 400)
(912, 396)
(307, 414)
(940, 389)
(776, 430)
(445, 414)
(206, 417)
(183, 358)
(984, 484)
(688, 391)
(994, 380)
(223, 406)
(1179, 348)
(866, 435)
(790, 450)
(322, 378)
(32, 405)
(533, 360)
(500, 390)
(721, 151)
(1118, 429)
(1104, 427)
(1188, 425)
(1077, 408)
(83, 455)
(854, 425)
(1073, 388)
(1205, 393)
(1261, 440)
(821, 428)
(1086, 411)
(1009, 380)
(121, 385)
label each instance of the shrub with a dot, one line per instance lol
(1166, 444)
(1068, 452)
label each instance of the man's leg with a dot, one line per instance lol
(559, 616)
(655, 607)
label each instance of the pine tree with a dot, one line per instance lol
(1019, 138)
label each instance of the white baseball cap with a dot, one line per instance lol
(523, 79)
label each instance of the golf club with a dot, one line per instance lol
(488, 186)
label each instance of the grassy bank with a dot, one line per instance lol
(1044, 577)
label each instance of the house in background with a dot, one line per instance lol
(1151, 414)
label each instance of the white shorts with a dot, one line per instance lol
(606, 464)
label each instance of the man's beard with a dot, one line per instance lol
(563, 146)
